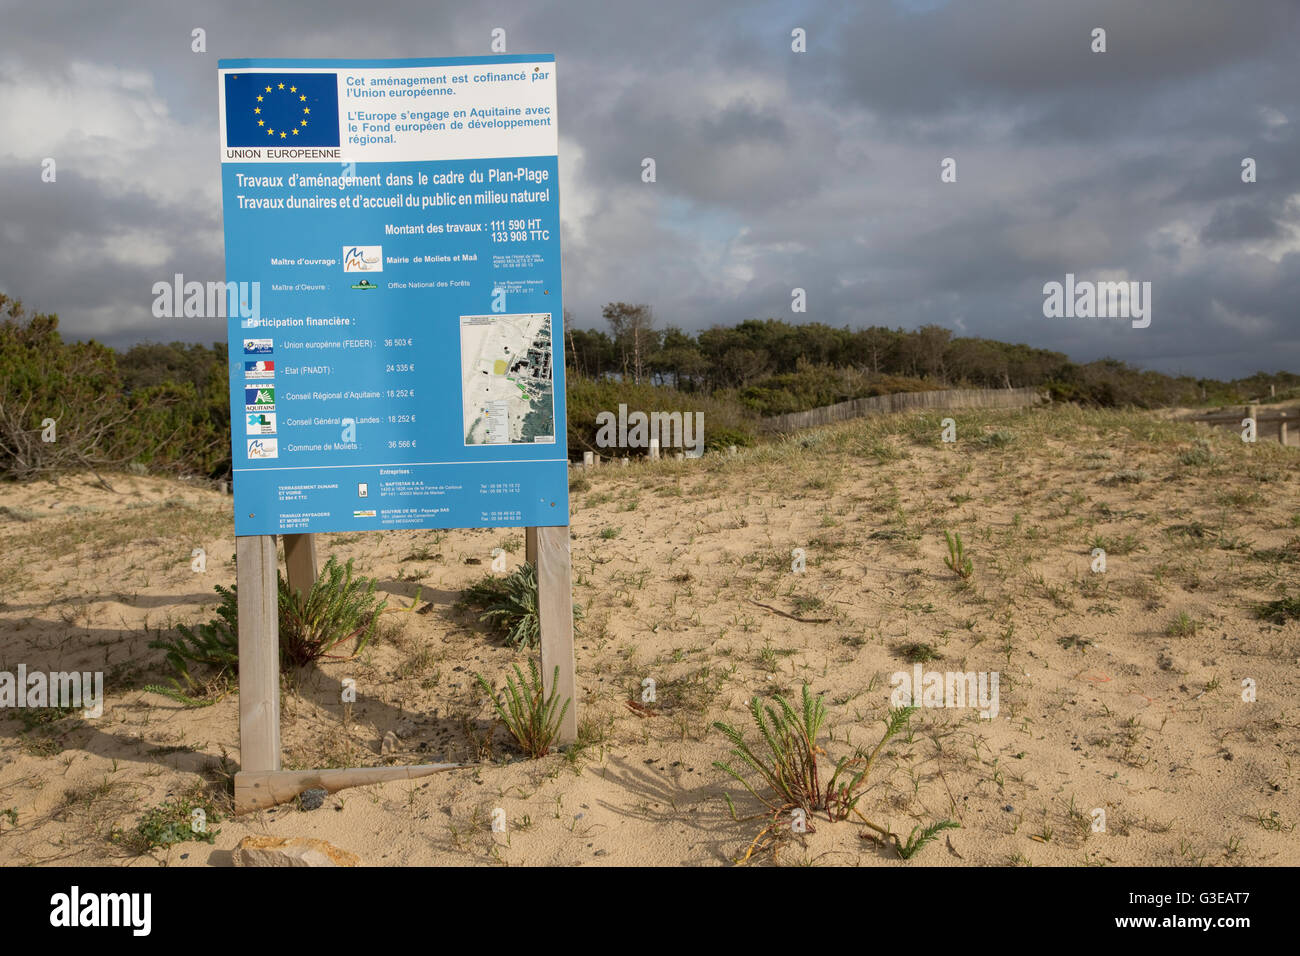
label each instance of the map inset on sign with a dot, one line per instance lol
(505, 365)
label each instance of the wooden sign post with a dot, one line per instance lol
(260, 781)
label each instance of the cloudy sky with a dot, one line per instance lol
(775, 169)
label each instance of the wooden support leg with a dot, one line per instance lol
(555, 609)
(530, 546)
(258, 791)
(300, 561)
(259, 654)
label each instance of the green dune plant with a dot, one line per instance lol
(787, 763)
(530, 714)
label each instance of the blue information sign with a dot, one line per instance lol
(393, 267)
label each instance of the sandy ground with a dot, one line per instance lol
(1119, 691)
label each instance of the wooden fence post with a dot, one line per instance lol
(259, 653)
(555, 611)
(300, 562)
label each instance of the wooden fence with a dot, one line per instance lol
(1272, 423)
(904, 401)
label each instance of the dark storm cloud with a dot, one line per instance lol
(1028, 52)
(775, 169)
(1242, 220)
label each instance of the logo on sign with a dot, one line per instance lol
(263, 448)
(363, 258)
(258, 346)
(259, 399)
(260, 423)
(363, 514)
(259, 370)
(282, 109)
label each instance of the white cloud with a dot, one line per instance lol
(110, 125)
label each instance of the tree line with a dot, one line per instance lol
(166, 407)
(759, 359)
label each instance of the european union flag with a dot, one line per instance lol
(282, 109)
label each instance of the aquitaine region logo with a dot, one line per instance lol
(282, 109)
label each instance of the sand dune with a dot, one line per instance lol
(1120, 691)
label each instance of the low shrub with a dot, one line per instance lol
(338, 609)
(787, 765)
(532, 716)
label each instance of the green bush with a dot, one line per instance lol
(74, 384)
(338, 608)
(171, 822)
(215, 648)
(108, 409)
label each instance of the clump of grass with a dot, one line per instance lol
(997, 439)
(918, 653)
(610, 532)
(338, 608)
(425, 553)
(1074, 640)
(1184, 625)
(1198, 455)
(1279, 611)
(509, 605)
(787, 765)
(957, 560)
(1288, 553)
(532, 717)
(1116, 545)
(1129, 476)
(806, 603)
(43, 718)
